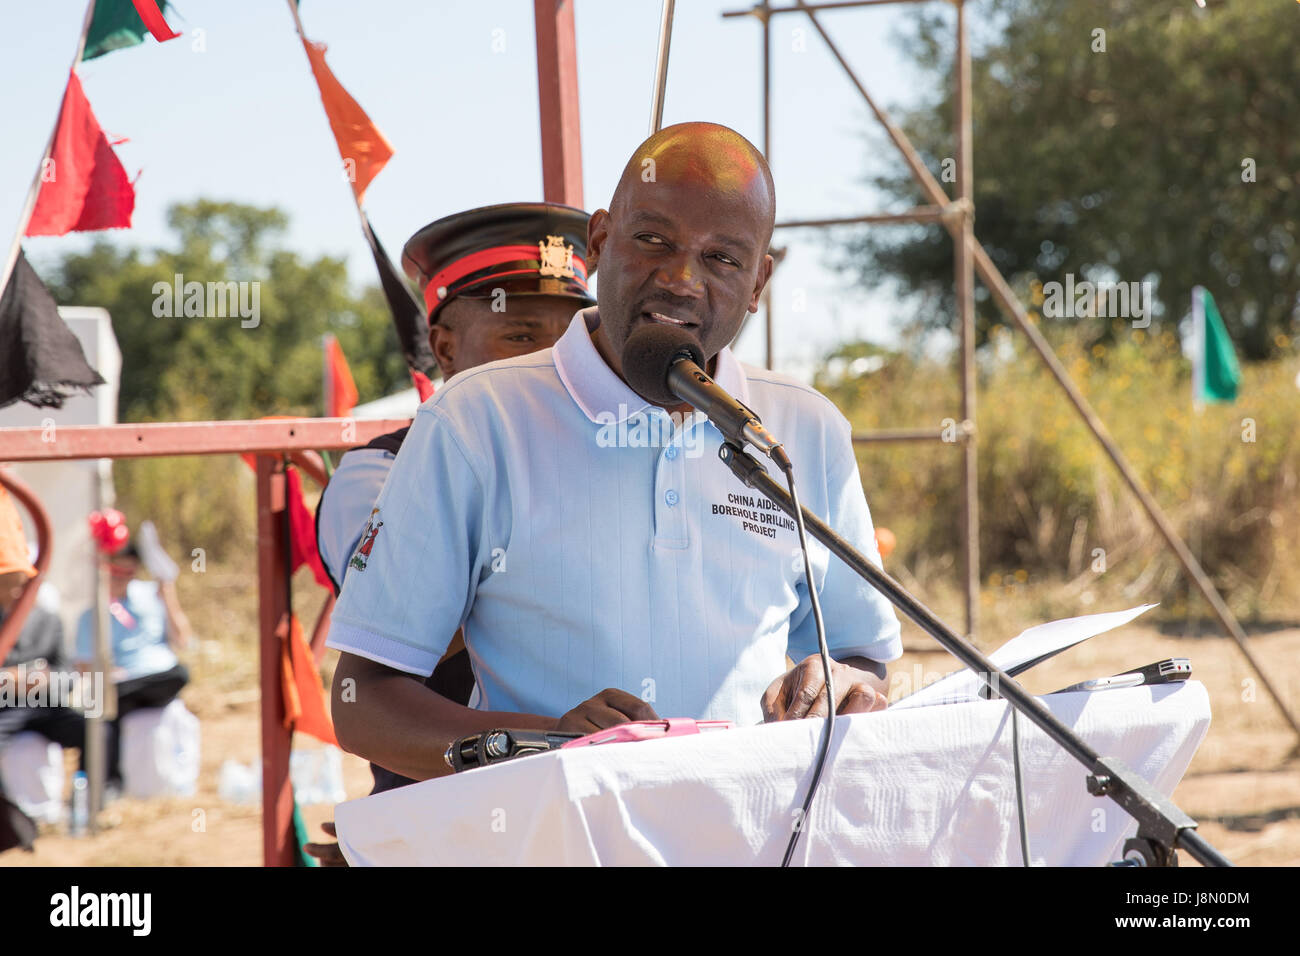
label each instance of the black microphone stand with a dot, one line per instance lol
(1162, 826)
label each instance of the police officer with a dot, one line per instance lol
(498, 282)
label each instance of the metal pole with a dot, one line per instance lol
(273, 604)
(900, 434)
(767, 154)
(762, 10)
(1012, 308)
(843, 5)
(103, 666)
(965, 292)
(906, 217)
(557, 97)
(661, 66)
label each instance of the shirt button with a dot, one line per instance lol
(670, 496)
(671, 453)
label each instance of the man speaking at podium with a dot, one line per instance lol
(604, 564)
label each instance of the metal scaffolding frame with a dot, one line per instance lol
(957, 215)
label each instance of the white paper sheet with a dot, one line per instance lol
(1042, 640)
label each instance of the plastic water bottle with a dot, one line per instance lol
(239, 783)
(80, 803)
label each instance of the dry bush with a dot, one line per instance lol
(1052, 507)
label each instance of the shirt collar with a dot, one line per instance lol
(599, 392)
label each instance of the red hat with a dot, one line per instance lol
(108, 528)
(536, 248)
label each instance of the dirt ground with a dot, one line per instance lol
(1243, 786)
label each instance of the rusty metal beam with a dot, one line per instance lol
(763, 9)
(65, 442)
(964, 280)
(272, 605)
(915, 214)
(906, 434)
(557, 98)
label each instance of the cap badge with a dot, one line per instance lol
(556, 257)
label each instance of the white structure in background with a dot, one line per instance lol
(397, 405)
(71, 490)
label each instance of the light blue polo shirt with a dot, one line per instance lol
(139, 636)
(585, 542)
(351, 493)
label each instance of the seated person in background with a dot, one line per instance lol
(25, 672)
(147, 623)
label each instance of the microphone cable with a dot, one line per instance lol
(1021, 813)
(824, 748)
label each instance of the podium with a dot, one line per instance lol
(928, 786)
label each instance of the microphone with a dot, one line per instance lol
(663, 363)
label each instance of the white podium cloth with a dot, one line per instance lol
(926, 786)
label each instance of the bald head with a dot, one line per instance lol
(704, 155)
(684, 241)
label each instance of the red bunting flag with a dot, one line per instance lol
(302, 525)
(153, 19)
(83, 186)
(302, 522)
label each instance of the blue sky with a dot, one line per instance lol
(232, 112)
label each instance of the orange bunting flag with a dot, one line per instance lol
(83, 186)
(340, 390)
(363, 148)
(304, 697)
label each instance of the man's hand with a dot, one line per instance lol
(329, 854)
(802, 691)
(608, 708)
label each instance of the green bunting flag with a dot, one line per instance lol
(115, 25)
(1215, 372)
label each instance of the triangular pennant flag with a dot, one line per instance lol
(302, 523)
(339, 387)
(304, 697)
(118, 24)
(41, 361)
(408, 314)
(363, 148)
(423, 386)
(83, 186)
(1216, 374)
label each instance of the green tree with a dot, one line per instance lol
(221, 367)
(178, 368)
(1114, 140)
